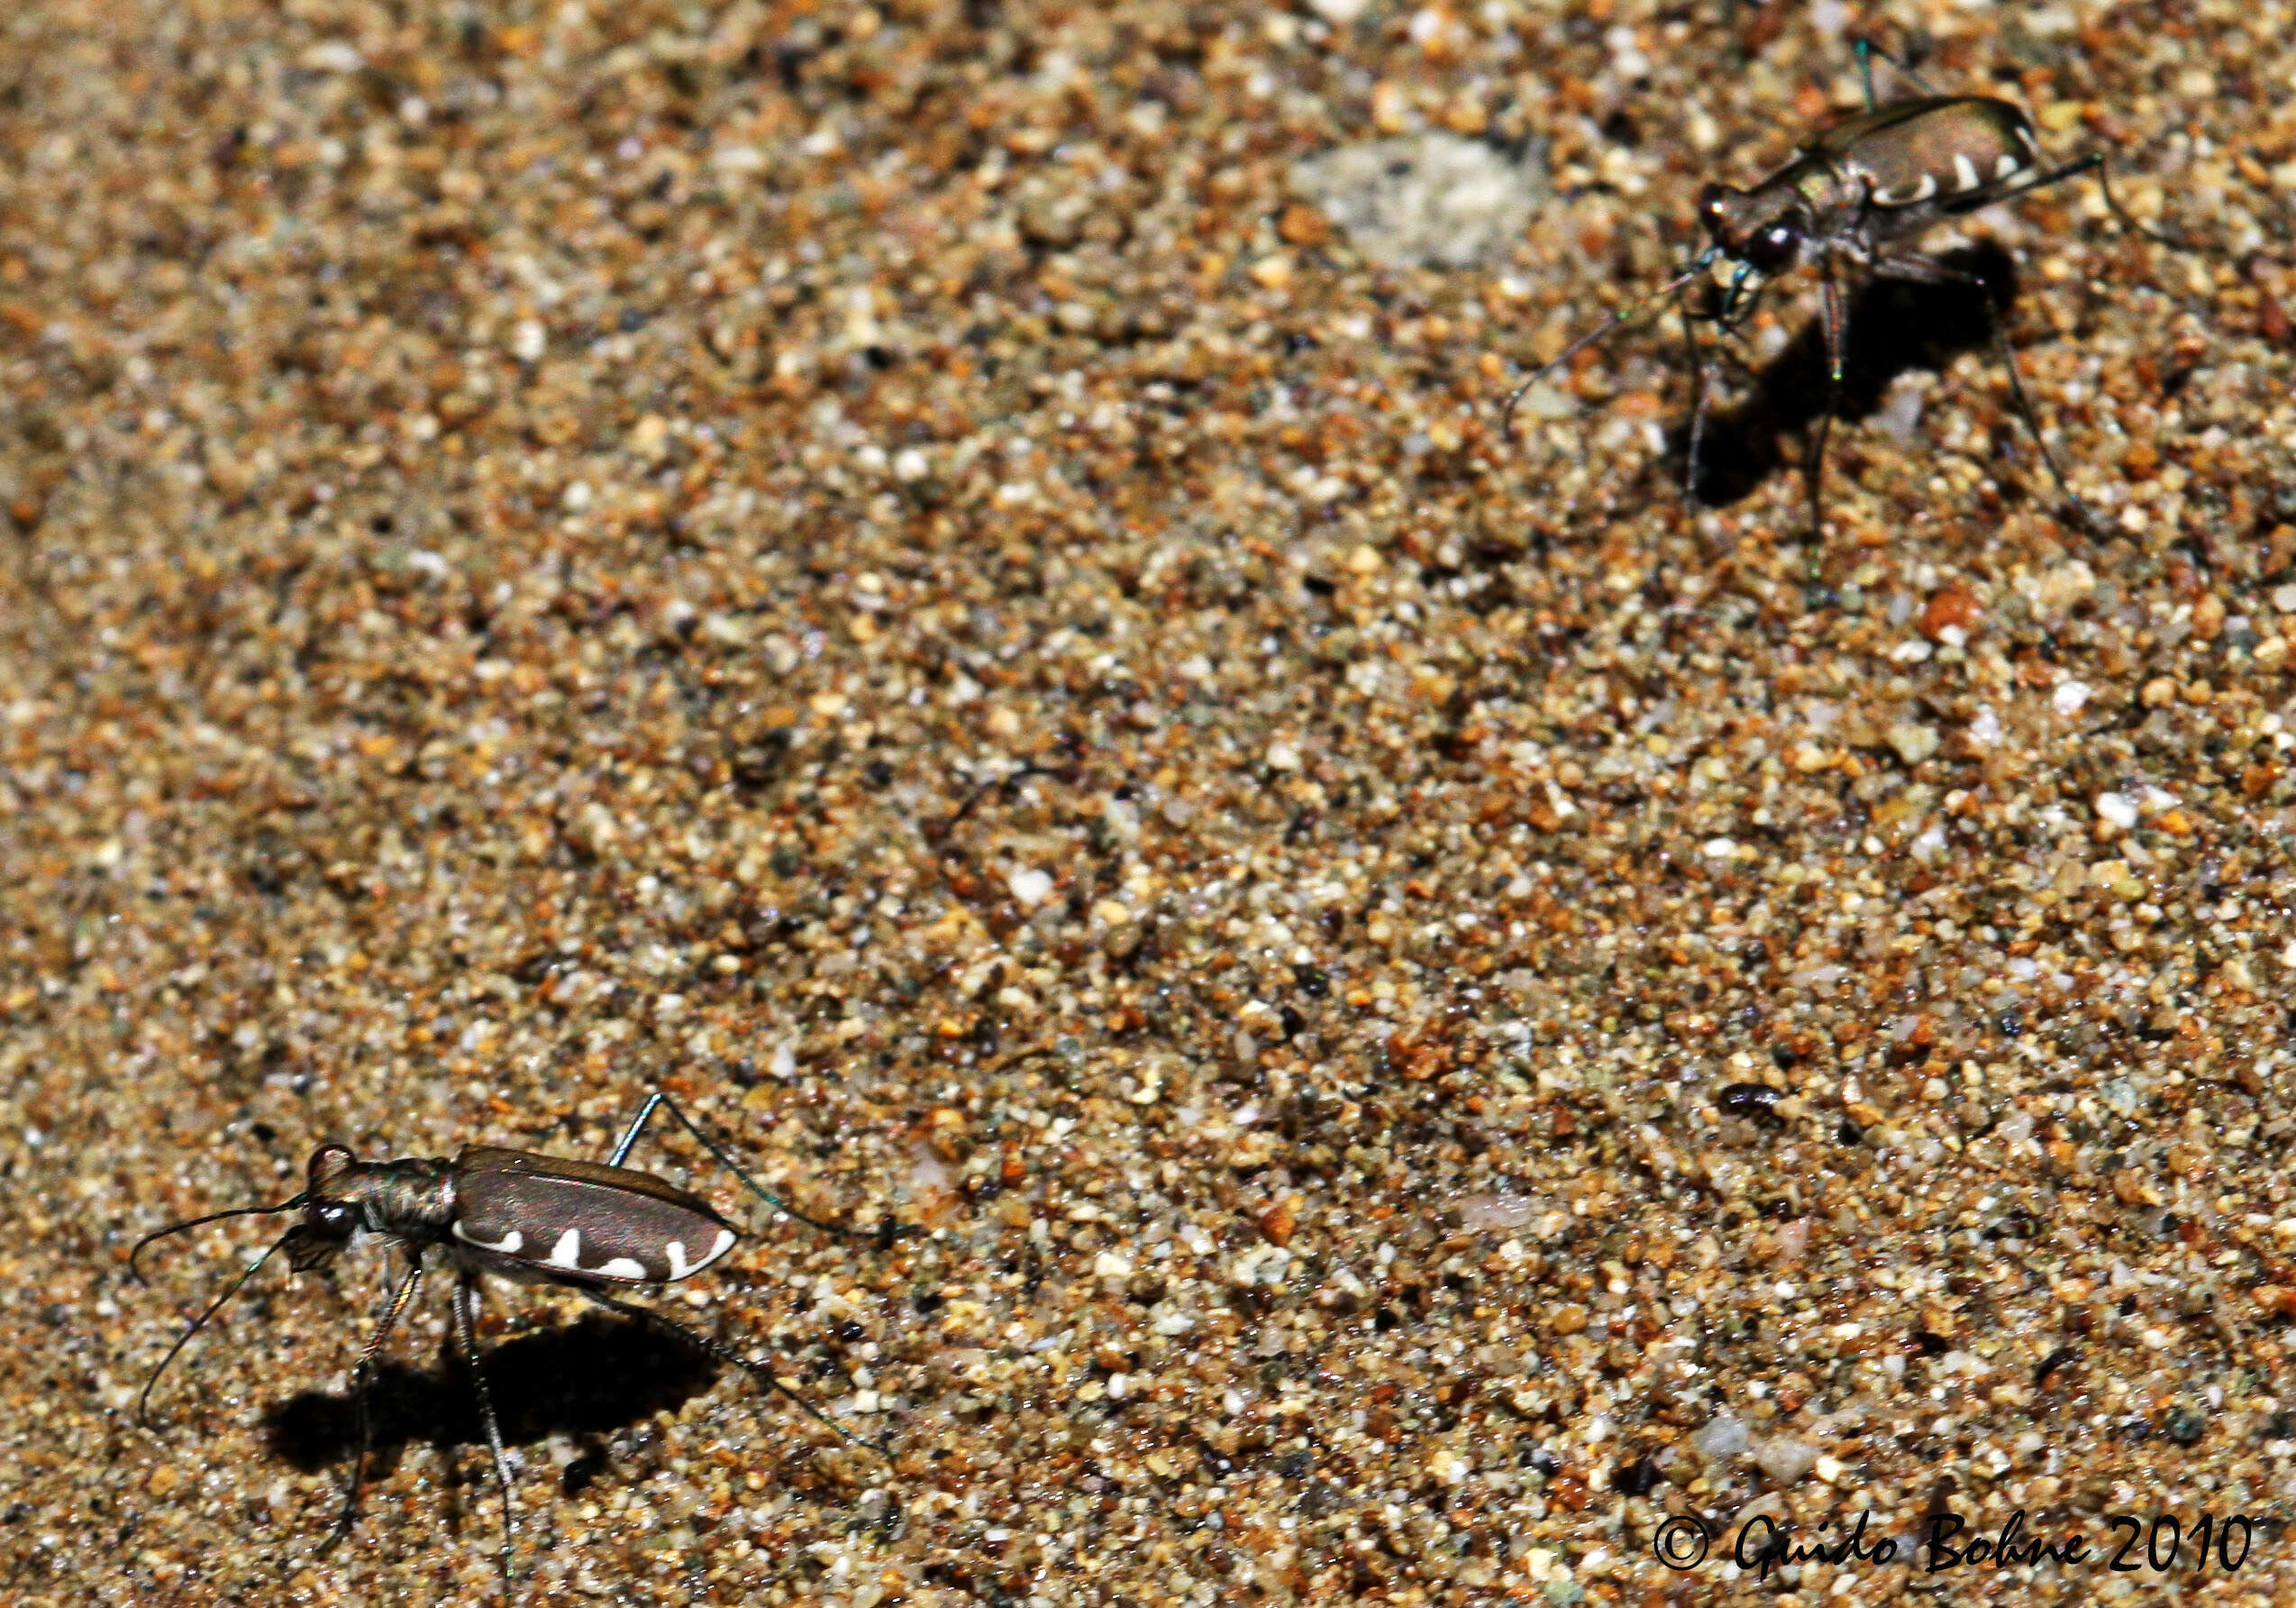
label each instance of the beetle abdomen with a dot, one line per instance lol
(1941, 149)
(554, 1218)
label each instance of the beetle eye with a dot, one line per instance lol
(335, 1220)
(1774, 246)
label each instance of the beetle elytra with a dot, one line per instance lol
(534, 1218)
(1847, 204)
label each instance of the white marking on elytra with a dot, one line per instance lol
(2025, 138)
(567, 1252)
(623, 1267)
(1920, 192)
(1964, 172)
(509, 1245)
(676, 1251)
(2005, 166)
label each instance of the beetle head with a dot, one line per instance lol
(332, 1209)
(1753, 228)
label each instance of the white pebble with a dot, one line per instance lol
(1785, 1458)
(1723, 1437)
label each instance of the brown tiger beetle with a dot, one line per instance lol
(1884, 175)
(520, 1216)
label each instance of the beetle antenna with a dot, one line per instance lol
(1624, 315)
(883, 1235)
(213, 1217)
(143, 1396)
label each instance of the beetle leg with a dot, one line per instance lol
(1837, 339)
(2018, 189)
(1866, 51)
(1700, 385)
(1926, 271)
(2096, 159)
(2093, 162)
(362, 1382)
(1837, 329)
(636, 1127)
(721, 1352)
(884, 1235)
(465, 1330)
(1010, 783)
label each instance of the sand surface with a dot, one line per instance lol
(944, 582)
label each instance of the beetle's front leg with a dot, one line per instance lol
(1836, 323)
(1702, 388)
(362, 1385)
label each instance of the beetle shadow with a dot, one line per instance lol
(1895, 326)
(586, 1378)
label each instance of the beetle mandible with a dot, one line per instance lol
(519, 1215)
(1883, 176)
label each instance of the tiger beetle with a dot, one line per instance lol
(1884, 176)
(532, 1219)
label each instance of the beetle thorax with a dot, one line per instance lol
(411, 1199)
(408, 1199)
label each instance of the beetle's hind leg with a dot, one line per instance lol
(465, 1331)
(884, 1235)
(1926, 272)
(637, 1127)
(2095, 162)
(725, 1354)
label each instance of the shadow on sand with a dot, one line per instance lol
(590, 1377)
(1895, 326)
